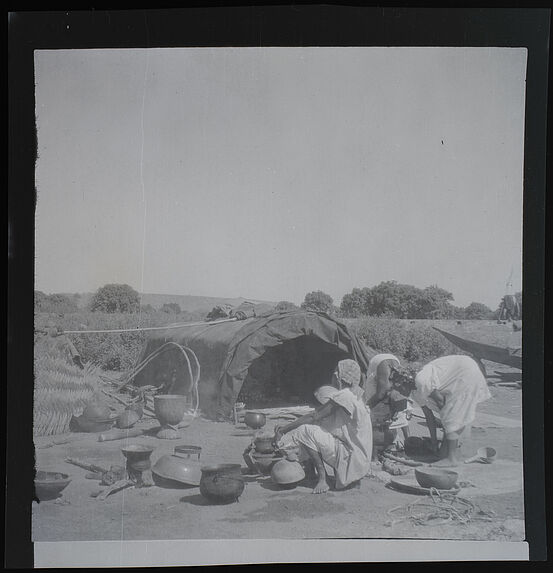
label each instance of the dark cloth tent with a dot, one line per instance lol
(290, 353)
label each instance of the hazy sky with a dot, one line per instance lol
(270, 172)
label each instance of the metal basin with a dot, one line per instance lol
(175, 471)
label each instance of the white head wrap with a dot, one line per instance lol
(325, 393)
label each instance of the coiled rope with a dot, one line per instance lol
(187, 353)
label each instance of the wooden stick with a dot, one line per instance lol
(90, 467)
(117, 486)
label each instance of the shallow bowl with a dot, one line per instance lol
(49, 485)
(436, 477)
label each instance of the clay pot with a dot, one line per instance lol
(222, 483)
(264, 445)
(175, 471)
(187, 451)
(96, 417)
(436, 477)
(97, 411)
(127, 419)
(49, 485)
(86, 425)
(169, 408)
(286, 472)
(265, 462)
(138, 456)
(255, 420)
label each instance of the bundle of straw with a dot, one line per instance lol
(61, 390)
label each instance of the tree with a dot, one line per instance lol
(318, 301)
(357, 303)
(396, 300)
(54, 303)
(115, 298)
(147, 308)
(171, 308)
(434, 302)
(391, 298)
(478, 311)
(285, 305)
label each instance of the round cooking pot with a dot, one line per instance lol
(286, 472)
(255, 420)
(96, 417)
(264, 444)
(265, 462)
(222, 483)
(169, 408)
(174, 470)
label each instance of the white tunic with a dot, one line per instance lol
(461, 382)
(381, 411)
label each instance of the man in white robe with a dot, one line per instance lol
(338, 435)
(452, 386)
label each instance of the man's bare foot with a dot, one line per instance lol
(321, 487)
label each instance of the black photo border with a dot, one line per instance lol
(224, 24)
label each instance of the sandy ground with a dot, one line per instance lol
(266, 511)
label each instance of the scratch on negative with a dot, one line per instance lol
(142, 185)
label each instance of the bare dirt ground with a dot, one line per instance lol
(266, 511)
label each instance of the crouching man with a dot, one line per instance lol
(338, 434)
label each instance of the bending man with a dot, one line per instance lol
(338, 435)
(452, 386)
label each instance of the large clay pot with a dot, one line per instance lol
(287, 473)
(222, 483)
(169, 409)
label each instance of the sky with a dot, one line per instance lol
(267, 173)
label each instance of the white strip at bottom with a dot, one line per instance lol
(242, 551)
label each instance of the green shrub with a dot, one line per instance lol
(111, 351)
(410, 342)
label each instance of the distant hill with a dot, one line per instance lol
(187, 302)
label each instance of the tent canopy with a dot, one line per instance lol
(295, 351)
